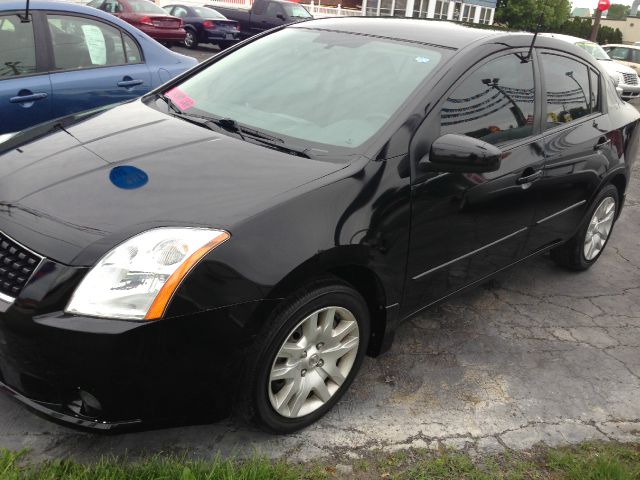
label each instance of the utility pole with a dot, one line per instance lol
(602, 6)
(596, 25)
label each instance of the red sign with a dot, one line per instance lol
(603, 5)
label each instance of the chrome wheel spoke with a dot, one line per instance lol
(310, 328)
(342, 349)
(333, 373)
(285, 372)
(285, 395)
(300, 397)
(313, 362)
(291, 350)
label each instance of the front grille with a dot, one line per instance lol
(630, 78)
(17, 264)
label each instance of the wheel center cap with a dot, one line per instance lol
(314, 360)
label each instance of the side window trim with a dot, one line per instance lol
(49, 62)
(587, 118)
(537, 125)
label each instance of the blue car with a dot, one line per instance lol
(69, 58)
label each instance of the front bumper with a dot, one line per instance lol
(629, 92)
(106, 375)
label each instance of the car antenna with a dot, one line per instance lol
(533, 41)
(25, 18)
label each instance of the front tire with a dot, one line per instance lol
(586, 246)
(306, 358)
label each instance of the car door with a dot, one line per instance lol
(92, 64)
(467, 225)
(577, 145)
(25, 89)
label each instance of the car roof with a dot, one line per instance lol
(408, 29)
(62, 6)
(566, 38)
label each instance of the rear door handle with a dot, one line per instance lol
(602, 142)
(530, 178)
(28, 98)
(130, 83)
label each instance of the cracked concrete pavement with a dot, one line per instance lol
(538, 354)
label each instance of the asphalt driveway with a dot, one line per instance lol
(538, 354)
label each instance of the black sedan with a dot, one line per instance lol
(240, 242)
(205, 25)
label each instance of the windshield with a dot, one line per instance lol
(295, 10)
(594, 49)
(145, 6)
(206, 12)
(332, 88)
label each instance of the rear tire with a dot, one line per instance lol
(586, 246)
(191, 40)
(305, 358)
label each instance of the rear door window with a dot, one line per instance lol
(569, 96)
(80, 43)
(17, 47)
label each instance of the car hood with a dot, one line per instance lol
(612, 67)
(76, 191)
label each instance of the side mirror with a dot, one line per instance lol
(459, 153)
(281, 17)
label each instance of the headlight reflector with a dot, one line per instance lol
(137, 279)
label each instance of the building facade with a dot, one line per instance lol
(476, 11)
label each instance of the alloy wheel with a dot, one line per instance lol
(313, 362)
(599, 228)
(189, 39)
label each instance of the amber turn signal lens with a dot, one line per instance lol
(165, 294)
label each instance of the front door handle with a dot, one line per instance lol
(602, 143)
(128, 83)
(31, 97)
(530, 178)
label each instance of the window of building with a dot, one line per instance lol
(568, 89)
(485, 16)
(18, 51)
(495, 103)
(79, 42)
(468, 13)
(442, 8)
(457, 11)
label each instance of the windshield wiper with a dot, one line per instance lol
(276, 143)
(169, 103)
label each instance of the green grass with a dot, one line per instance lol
(589, 461)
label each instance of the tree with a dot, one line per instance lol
(523, 14)
(618, 11)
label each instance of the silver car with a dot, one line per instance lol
(625, 78)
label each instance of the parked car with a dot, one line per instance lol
(146, 16)
(70, 58)
(625, 78)
(205, 25)
(625, 55)
(263, 15)
(241, 241)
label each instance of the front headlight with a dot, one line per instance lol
(137, 279)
